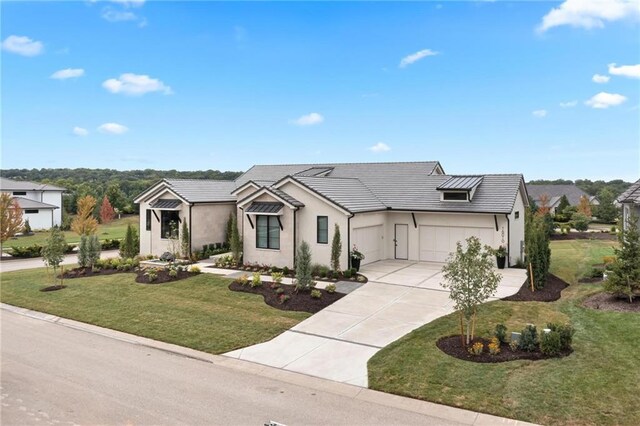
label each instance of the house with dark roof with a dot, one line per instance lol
(630, 201)
(554, 194)
(41, 203)
(404, 210)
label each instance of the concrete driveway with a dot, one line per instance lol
(337, 342)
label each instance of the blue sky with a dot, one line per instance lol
(483, 87)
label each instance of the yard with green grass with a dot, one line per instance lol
(114, 230)
(199, 312)
(596, 384)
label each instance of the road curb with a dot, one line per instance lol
(444, 412)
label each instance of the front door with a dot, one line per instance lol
(401, 241)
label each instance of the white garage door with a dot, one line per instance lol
(437, 242)
(369, 241)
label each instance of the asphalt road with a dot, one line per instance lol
(55, 375)
(36, 262)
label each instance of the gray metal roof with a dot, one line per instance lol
(165, 204)
(288, 198)
(349, 193)
(26, 203)
(631, 195)
(463, 183)
(264, 207)
(202, 190)
(24, 185)
(555, 192)
(315, 171)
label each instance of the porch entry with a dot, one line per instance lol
(401, 241)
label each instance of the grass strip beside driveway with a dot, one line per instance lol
(199, 312)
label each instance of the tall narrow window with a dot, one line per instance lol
(148, 225)
(169, 220)
(267, 232)
(323, 230)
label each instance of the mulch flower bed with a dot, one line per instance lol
(452, 345)
(549, 293)
(53, 287)
(162, 276)
(266, 270)
(298, 301)
(89, 272)
(585, 236)
(609, 302)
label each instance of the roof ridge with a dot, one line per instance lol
(342, 164)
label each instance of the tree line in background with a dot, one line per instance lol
(617, 186)
(120, 186)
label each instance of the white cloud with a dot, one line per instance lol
(415, 57)
(135, 85)
(568, 104)
(79, 131)
(605, 100)
(67, 73)
(540, 113)
(22, 45)
(309, 119)
(589, 13)
(113, 128)
(113, 15)
(129, 3)
(598, 78)
(632, 71)
(380, 147)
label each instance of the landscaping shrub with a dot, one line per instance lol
(623, 280)
(130, 246)
(110, 244)
(27, 227)
(550, 343)
(83, 251)
(173, 273)
(528, 339)
(331, 288)
(152, 275)
(185, 240)
(580, 221)
(336, 249)
(279, 290)
(256, 280)
(286, 270)
(476, 348)
(316, 294)
(354, 272)
(565, 332)
(304, 280)
(347, 273)
(501, 333)
(538, 252)
(494, 346)
(243, 279)
(277, 277)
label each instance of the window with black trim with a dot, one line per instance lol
(517, 215)
(19, 193)
(454, 196)
(267, 232)
(31, 211)
(148, 224)
(167, 220)
(323, 230)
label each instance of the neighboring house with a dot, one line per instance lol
(388, 210)
(41, 203)
(630, 201)
(555, 193)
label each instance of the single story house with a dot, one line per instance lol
(409, 210)
(554, 194)
(41, 203)
(630, 201)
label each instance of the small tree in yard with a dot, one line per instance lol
(580, 221)
(336, 249)
(624, 277)
(107, 213)
(10, 217)
(229, 231)
(236, 245)
(585, 207)
(94, 250)
(130, 246)
(54, 248)
(537, 250)
(563, 204)
(185, 244)
(304, 281)
(606, 210)
(84, 223)
(543, 205)
(471, 279)
(83, 251)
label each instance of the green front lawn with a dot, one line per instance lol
(116, 229)
(597, 384)
(199, 312)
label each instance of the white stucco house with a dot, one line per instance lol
(410, 210)
(630, 201)
(41, 203)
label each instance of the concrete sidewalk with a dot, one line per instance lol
(357, 402)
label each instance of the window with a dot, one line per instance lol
(454, 196)
(323, 230)
(517, 215)
(166, 219)
(31, 211)
(19, 193)
(148, 225)
(267, 232)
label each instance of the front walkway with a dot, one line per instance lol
(337, 342)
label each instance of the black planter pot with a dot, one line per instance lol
(355, 263)
(501, 262)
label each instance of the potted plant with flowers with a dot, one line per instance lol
(356, 257)
(501, 256)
